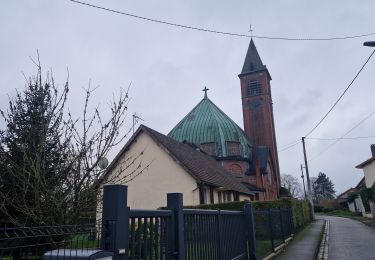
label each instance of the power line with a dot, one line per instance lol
(287, 144)
(290, 146)
(342, 94)
(342, 137)
(222, 32)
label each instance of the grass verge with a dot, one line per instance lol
(348, 214)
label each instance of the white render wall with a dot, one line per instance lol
(149, 189)
(369, 171)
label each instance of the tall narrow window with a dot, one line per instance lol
(254, 88)
(209, 148)
(233, 148)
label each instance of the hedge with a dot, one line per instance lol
(301, 212)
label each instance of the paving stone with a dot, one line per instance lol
(304, 243)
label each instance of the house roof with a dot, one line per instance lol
(358, 187)
(206, 123)
(363, 164)
(202, 167)
(345, 194)
(361, 184)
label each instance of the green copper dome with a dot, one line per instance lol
(213, 131)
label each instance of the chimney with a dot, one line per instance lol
(373, 150)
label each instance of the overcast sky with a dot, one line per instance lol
(169, 66)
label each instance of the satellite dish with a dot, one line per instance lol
(103, 163)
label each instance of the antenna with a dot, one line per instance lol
(135, 120)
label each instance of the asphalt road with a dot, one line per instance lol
(350, 239)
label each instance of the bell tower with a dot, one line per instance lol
(257, 104)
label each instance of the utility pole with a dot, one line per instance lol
(303, 181)
(308, 179)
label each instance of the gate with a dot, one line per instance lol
(175, 233)
(215, 234)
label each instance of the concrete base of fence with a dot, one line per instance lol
(278, 249)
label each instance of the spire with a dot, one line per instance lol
(252, 60)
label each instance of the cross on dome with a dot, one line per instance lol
(205, 91)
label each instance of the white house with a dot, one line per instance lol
(152, 165)
(368, 168)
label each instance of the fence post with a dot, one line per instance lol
(271, 230)
(249, 218)
(175, 203)
(291, 220)
(115, 221)
(281, 225)
(220, 236)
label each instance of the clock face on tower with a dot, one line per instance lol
(254, 104)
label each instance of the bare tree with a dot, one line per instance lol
(292, 184)
(49, 159)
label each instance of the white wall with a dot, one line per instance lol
(369, 171)
(148, 190)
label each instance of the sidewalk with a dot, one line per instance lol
(305, 243)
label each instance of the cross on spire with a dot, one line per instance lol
(205, 91)
(251, 31)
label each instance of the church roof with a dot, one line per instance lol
(202, 167)
(207, 124)
(252, 60)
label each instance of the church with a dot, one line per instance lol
(206, 156)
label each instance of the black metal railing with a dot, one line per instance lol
(150, 234)
(272, 228)
(33, 242)
(214, 234)
(172, 233)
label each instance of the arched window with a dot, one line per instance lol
(254, 88)
(235, 168)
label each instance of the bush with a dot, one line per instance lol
(318, 209)
(301, 212)
(352, 197)
(325, 210)
(366, 196)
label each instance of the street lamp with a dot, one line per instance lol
(369, 44)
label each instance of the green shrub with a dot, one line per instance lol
(352, 196)
(325, 210)
(366, 196)
(301, 212)
(318, 209)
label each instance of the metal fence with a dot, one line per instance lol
(33, 242)
(215, 234)
(173, 233)
(272, 228)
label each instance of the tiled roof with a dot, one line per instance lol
(361, 165)
(206, 123)
(201, 166)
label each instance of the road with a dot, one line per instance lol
(350, 239)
